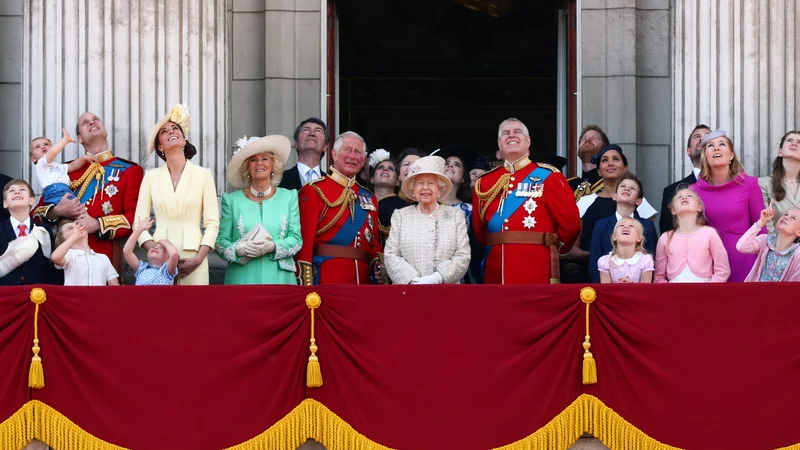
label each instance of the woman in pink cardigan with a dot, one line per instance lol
(692, 252)
(778, 258)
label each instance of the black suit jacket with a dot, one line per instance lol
(291, 179)
(3, 180)
(665, 220)
(38, 269)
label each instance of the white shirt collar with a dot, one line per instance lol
(15, 225)
(619, 217)
(630, 261)
(696, 172)
(303, 169)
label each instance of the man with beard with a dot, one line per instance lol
(339, 222)
(311, 139)
(592, 140)
(695, 152)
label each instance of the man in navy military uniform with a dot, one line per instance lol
(592, 140)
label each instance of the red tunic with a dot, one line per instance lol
(112, 201)
(320, 203)
(555, 211)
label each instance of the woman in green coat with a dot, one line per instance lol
(259, 230)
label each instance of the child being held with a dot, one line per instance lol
(161, 267)
(778, 258)
(54, 177)
(692, 252)
(82, 266)
(628, 262)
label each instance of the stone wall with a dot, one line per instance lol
(625, 83)
(277, 75)
(11, 87)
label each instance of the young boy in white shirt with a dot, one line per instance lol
(82, 266)
(54, 177)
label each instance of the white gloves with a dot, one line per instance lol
(254, 249)
(264, 247)
(245, 249)
(434, 278)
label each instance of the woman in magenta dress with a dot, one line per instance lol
(733, 199)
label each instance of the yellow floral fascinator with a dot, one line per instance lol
(179, 114)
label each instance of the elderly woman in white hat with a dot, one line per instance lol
(260, 227)
(182, 196)
(428, 242)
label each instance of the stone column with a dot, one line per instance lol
(735, 66)
(276, 66)
(626, 82)
(11, 147)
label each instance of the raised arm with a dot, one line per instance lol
(52, 152)
(174, 256)
(60, 253)
(750, 242)
(755, 200)
(141, 225)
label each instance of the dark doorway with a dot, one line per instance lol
(428, 73)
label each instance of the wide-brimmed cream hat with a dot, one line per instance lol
(433, 165)
(179, 115)
(279, 145)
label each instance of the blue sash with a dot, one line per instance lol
(347, 233)
(513, 202)
(114, 166)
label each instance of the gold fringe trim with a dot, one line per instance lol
(35, 420)
(57, 431)
(310, 420)
(17, 431)
(587, 414)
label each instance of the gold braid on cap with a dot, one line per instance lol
(347, 199)
(487, 197)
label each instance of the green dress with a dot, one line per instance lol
(280, 216)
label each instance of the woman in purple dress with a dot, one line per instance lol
(733, 199)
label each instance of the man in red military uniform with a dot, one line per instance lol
(106, 193)
(522, 212)
(339, 222)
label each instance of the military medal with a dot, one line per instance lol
(111, 190)
(529, 222)
(114, 175)
(368, 235)
(538, 190)
(107, 208)
(370, 222)
(530, 205)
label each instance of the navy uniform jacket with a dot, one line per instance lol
(38, 269)
(601, 241)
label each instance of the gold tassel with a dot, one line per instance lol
(313, 372)
(36, 373)
(588, 295)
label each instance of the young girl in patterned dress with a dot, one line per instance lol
(628, 262)
(161, 266)
(778, 258)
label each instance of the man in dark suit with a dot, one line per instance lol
(593, 139)
(3, 180)
(27, 261)
(311, 139)
(695, 152)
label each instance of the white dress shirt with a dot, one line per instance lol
(15, 225)
(82, 268)
(54, 172)
(303, 170)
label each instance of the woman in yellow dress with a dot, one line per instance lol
(182, 196)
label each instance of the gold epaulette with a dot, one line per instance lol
(597, 186)
(548, 167)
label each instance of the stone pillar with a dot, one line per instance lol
(735, 66)
(276, 66)
(11, 147)
(129, 62)
(626, 82)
